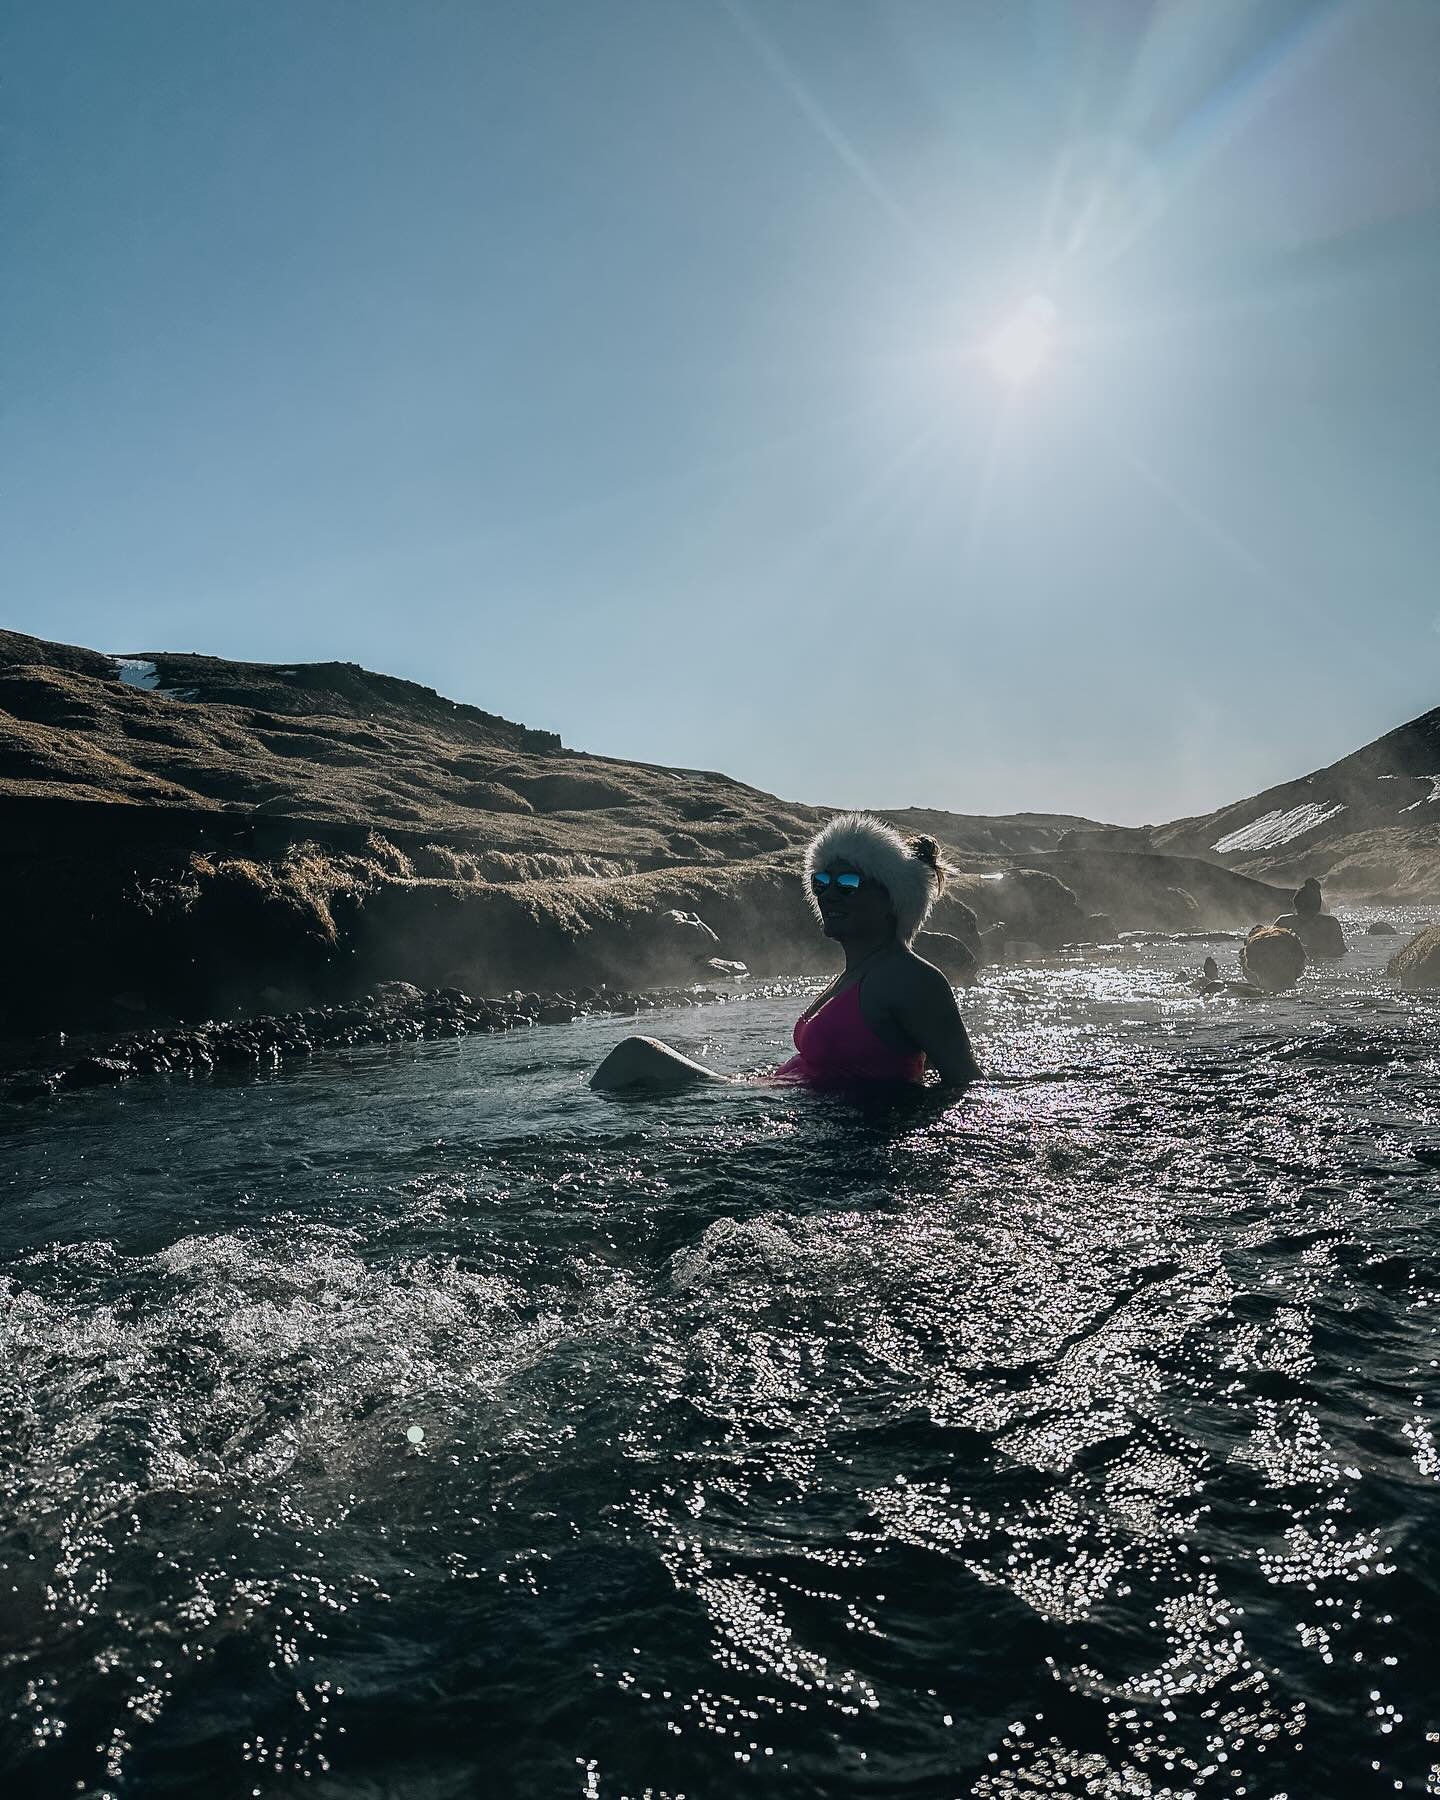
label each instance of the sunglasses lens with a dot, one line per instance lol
(848, 882)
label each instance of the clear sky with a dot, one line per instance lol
(647, 370)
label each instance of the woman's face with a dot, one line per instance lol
(862, 912)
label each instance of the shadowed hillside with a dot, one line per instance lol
(189, 833)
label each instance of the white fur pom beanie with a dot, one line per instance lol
(875, 849)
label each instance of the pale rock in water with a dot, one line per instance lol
(1418, 964)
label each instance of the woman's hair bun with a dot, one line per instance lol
(928, 851)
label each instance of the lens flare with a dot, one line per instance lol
(1023, 345)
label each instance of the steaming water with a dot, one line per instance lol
(1084, 1438)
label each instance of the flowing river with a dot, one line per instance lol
(418, 1423)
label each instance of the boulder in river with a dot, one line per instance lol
(96, 1071)
(1174, 909)
(953, 957)
(1418, 964)
(1272, 958)
(1380, 928)
(1034, 904)
(396, 993)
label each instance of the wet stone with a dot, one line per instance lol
(97, 1071)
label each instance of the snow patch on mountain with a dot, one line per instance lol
(1426, 799)
(135, 673)
(1273, 829)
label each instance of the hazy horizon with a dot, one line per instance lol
(989, 409)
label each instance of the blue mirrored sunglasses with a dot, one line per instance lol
(847, 883)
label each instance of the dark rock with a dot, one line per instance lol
(32, 1087)
(97, 1071)
(396, 993)
(1174, 909)
(1041, 909)
(992, 942)
(952, 956)
(1272, 958)
(559, 1013)
(1380, 928)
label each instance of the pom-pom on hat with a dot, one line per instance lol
(875, 849)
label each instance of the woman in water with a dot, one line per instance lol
(888, 1014)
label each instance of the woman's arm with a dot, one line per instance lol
(926, 1012)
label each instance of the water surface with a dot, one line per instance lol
(1080, 1438)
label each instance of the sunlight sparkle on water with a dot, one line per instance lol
(1024, 343)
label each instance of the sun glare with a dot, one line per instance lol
(1023, 344)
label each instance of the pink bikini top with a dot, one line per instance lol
(836, 1046)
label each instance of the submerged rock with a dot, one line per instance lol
(1418, 964)
(1272, 958)
(1380, 928)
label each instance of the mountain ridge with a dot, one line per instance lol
(1361, 825)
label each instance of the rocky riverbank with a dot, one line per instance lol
(185, 838)
(396, 1012)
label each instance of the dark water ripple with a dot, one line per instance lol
(1081, 1439)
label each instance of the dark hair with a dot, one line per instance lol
(928, 851)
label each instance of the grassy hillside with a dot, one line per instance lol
(184, 832)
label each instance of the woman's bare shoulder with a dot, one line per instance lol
(907, 976)
(922, 974)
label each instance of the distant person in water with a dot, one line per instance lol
(888, 1015)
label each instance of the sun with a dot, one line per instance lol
(1023, 344)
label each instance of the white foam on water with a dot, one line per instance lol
(1276, 828)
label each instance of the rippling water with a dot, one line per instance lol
(1083, 1438)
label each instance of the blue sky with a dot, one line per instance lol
(619, 366)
